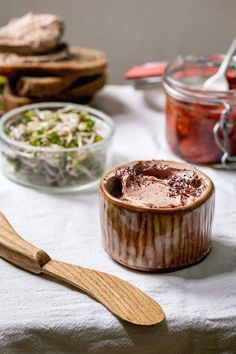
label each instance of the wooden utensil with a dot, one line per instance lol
(121, 298)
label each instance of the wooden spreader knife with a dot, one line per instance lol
(121, 298)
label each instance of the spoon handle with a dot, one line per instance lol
(227, 58)
(16, 250)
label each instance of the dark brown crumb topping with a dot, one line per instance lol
(185, 186)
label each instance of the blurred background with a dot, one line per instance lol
(136, 31)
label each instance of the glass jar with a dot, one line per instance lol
(200, 124)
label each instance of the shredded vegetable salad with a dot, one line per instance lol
(64, 128)
(67, 154)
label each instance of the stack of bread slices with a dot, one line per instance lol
(39, 67)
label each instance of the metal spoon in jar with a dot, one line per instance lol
(218, 81)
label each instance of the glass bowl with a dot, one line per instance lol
(56, 170)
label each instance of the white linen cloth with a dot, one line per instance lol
(39, 315)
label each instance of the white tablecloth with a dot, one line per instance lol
(39, 315)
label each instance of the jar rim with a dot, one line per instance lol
(182, 91)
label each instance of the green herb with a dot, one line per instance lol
(54, 138)
(89, 125)
(73, 144)
(98, 138)
(3, 80)
(35, 142)
(26, 118)
(67, 128)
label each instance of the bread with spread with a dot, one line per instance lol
(39, 66)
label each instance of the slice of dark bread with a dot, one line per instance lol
(11, 101)
(80, 94)
(49, 86)
(79, 89)
(82, 61)
(83, 86)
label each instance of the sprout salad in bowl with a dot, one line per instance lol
(55, 146)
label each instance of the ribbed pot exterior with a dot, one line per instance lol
(156, 241)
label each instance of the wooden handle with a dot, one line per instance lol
(16, 250)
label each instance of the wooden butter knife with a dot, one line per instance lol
(121, 298)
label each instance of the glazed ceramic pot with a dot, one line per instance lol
(156, 239)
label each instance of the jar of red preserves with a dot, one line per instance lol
(200, 124)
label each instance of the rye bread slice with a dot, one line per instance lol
(49, 86)
(83, 90)
(80, 94)
(11, 101)
(85, 86)
(82, 61)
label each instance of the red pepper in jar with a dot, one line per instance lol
(189, 130)
(193, 150)
(192, 113)
(231, 77)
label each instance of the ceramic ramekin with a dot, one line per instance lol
(156, 239)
